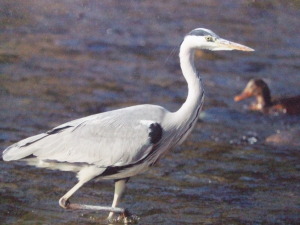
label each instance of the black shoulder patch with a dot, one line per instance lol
(155, 133)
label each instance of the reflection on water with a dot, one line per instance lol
(67, 59)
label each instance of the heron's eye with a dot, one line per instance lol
(209, 38)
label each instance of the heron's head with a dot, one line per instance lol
(202, 38)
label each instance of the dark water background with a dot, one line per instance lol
(65, 59)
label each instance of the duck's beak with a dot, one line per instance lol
(242, 96)
(229, 45)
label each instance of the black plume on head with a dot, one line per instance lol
(202, 32)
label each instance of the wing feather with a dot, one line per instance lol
(115, 138)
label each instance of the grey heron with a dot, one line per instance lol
(122, 143)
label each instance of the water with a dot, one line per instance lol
(62, 60)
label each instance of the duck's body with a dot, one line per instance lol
(289, 105)
(259, 89)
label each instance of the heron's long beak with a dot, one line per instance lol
(242, 96)
(232, 45)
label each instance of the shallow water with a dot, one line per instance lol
(61, 60)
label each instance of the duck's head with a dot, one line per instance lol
(255, 87)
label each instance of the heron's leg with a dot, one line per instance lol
(120, 186)
(65, 203)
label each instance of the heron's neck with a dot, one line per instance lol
(195, 90)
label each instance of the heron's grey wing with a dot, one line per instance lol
(26, 147)
(98, 142)
(116, 138)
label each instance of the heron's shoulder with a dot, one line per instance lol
(144, 107)
(130, 115)
(151, 109)
(137, 112)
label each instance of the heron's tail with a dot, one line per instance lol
(22, 149)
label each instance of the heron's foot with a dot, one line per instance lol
(64, 203)
(124, 218)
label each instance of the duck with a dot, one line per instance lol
(259, 89)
